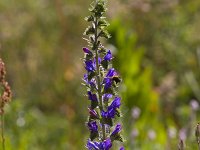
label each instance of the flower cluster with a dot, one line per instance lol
(102, 82)
(6, 92)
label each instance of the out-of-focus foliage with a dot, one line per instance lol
(167, 32)
(157, 51)
(40, 44)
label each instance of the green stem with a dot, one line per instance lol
(99, 76)
(2, 132)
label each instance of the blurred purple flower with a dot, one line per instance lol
(122, 148)
(172, 132)
(194, 105)
(134, 133)
(151, 134)
(183, 134)
(136, 112)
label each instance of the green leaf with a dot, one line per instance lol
(118, 113)
(89, 30)
(108, 121)
(88, 56)
(103, 23)
(91, 75)
(109, 90)
(104, 63)
(116, 137)
(94, 104)
(105, 34)
(98, 9)
(93, 135)
(89, 18)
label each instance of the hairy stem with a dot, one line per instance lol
(99, 76)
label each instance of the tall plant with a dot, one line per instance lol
(5, 97)
(102, 82)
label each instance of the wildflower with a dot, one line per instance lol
(118, 128)
(105, 145)
(89, 66)
(87, 51)
(92, 126)
(111, 73)
(108, 56)
(106, 97)
(108, 83)
(93, 113)
(109, 114)
(92, 97)
(101, 81)
(116, 103)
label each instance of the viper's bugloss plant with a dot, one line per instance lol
(5, 97)
(102, 82)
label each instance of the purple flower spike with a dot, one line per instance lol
(90, 66)
(92, 126)
(117, 129)
(108, 56)
(92, 97)
(101, 81)
(116, 103)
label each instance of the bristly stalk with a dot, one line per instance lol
(102, 83)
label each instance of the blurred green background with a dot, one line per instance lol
(156, 45)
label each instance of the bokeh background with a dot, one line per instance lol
(156, 45)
